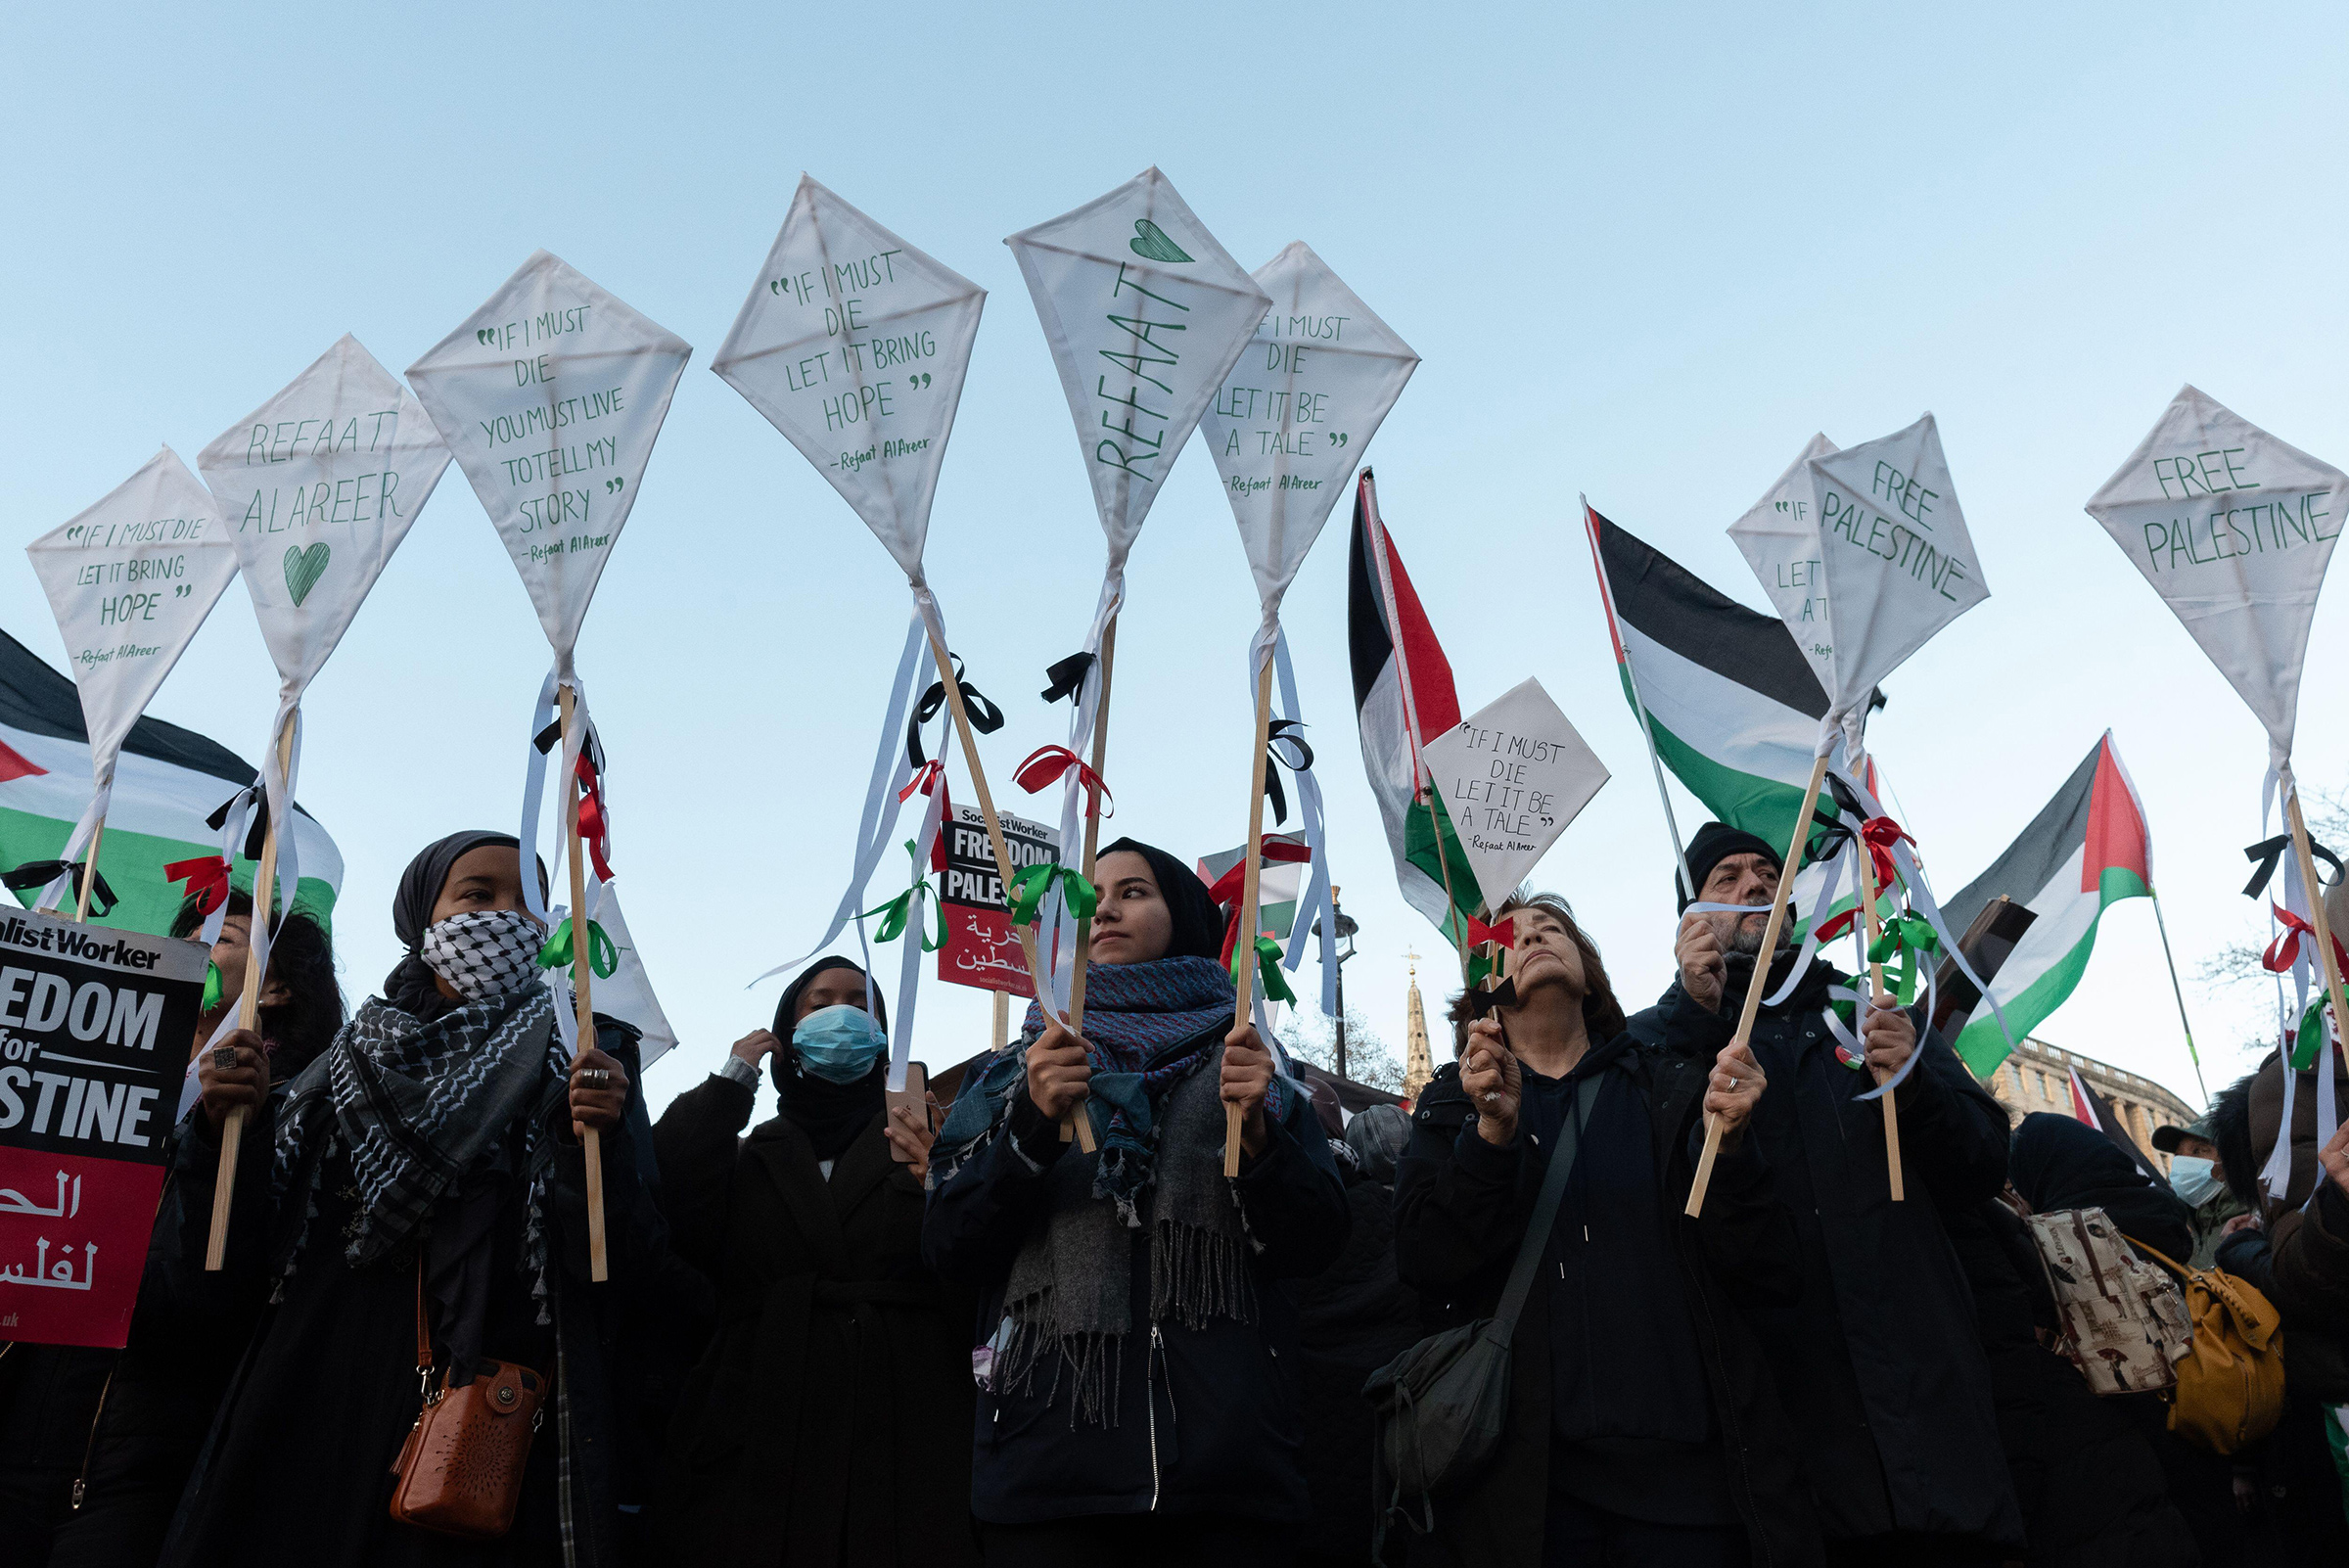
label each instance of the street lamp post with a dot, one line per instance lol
(1347, 928)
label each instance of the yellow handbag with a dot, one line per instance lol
(2231, 1384)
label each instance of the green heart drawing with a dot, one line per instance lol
(1151, 242)
(303, 569)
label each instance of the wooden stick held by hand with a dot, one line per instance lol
(599, 1266)
(1079, 1123)
(264, 901)
(89, 873)
(1760, 985)
(1244, 929)
(994, 836)
(1876, 991)
(2316, 913)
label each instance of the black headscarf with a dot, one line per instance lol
(2060, 1163)
(830, 1113)
(410, 986)
(1198, 924)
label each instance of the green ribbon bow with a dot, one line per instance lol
(1906, 938)
(211, 986)
(1031, 887)
(2309, 1042)
(898, 910)
(1268, 966)
(603, 955)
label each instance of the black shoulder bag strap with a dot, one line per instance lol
(1545, 1212)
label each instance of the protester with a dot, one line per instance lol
(837, 1390)
(1137, 1380)
(2200, 1179)
(430, 1162)
(1878, 1360)
(96, 1444)
(1354, 1317)
(2291, 1248)
(1641, 1424)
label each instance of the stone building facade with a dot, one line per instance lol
(2036, 1078)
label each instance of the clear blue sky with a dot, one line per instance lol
(1644, 252)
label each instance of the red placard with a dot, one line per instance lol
(93, 1033)
(981, 949)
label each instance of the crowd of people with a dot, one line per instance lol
(865, 1333)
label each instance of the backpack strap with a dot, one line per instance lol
(1545, 1212)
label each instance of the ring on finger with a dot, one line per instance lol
(224, 1057)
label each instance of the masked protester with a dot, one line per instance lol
(2200, 1182)
(1878, 1360)
(429, 1163)
(1137, 1364)
(1642, 1426)
(98, 1442)
(828, 1421)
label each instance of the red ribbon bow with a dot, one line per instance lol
(1047, 765)
(593, 828)
(1227, 889)
(207, 877)
(1502, 932)
(2285, 951)
(1880, 834)
(931, 775)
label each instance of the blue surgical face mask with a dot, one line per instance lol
(840, 1043)
(2194, 1180)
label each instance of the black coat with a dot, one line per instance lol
(298, 1464)
(828, 1421)
(1456, 1235)
(1207, 1419)
(1355, 1317)
(1878, 1360)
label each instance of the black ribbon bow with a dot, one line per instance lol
(40, 873)
(261, 819)
(1829, 831)
(2266, 856)
(985, 717)
(592, 748)
(1067, 676)
(1481, 1001)
(1287, 732)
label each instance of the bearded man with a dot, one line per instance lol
(1877, 1361)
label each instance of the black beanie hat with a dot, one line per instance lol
(1715, 843)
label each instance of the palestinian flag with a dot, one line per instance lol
(167, 782)
(1731, 702)
(1279, 879)
(1403, 699)
(2093, 1109)
(2086, 848)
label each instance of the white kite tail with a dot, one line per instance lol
(2276, 1175)
(1318, 908)
(911, 941)
(891, 772)
(1056, 928)
(60, 890)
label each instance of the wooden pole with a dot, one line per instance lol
(1075, 1125)
(582, 971)
(1876, 992)
(264, 904)
(994, 836)
(1760, 985)
(89, 872)
(2316, 918)
(1244, 925)
(1002, 1031)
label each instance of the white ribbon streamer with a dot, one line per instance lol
(1317, 906)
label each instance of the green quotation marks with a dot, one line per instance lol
(303, 568)
(918, 380)
(1151, 244)
(613, 485)
(1338, 438)
(487, 337)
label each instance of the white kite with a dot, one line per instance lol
(1779, 536)
(2234, 529)
(129, 582)
(1145, 314)
(855, 344)
(1512, 775)
(1288, 426)
(317, 488)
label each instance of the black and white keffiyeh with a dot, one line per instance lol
(484, 953)
(416, 1106)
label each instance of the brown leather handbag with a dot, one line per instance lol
(460, 1471)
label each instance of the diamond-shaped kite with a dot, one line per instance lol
(1509, 777)
(1779, 536)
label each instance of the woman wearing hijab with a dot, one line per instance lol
(1137, 1372)
(98, 1442)
(430, 1163)
(826, 1424)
